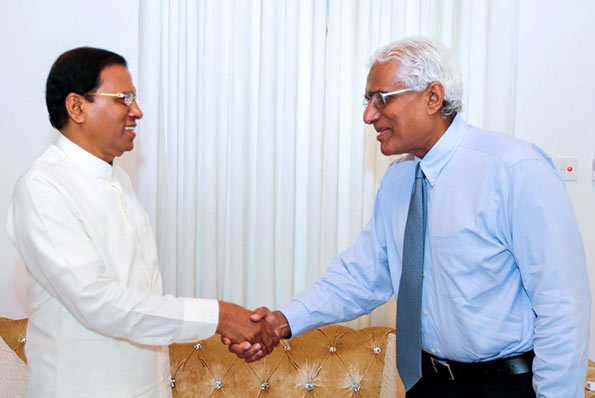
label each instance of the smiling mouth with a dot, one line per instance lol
(130, 131)
(381, 133)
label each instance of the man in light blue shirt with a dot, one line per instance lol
(504, 276)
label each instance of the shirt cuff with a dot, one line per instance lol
(200, 319)
(297, 316)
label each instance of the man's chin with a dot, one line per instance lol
(387, 151)
(127, 148)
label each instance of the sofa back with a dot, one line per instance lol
(332, 361)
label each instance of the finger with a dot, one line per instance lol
(237, 349)
(241, 348)
(272, 335)
(259, 313)
(257, 355)
(244, 346)
(271, 318)
(251, 352)
(267, 339)
(225, 340)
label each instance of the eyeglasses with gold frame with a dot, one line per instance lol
(127, 96)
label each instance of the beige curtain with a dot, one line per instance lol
(256, 167)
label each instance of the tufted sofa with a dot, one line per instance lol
(333, 361)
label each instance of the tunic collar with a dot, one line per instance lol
(84, 159)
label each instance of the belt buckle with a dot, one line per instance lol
(443, 364)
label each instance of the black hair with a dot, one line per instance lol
(76, 71)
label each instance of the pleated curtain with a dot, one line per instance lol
(253, 160)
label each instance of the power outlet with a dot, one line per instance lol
(567, 167)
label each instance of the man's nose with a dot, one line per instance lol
(371, 113)
(135, 110)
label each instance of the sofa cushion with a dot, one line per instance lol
(333, 361)
(13, 373)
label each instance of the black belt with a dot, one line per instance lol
(454, 370)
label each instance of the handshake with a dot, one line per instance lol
(251, 335)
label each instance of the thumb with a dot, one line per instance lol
(258, 314)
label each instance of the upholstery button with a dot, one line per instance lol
(198, 346)
(264, 386)
(332, 349)
(377, 350)
(287, 348)
(23, 340)
(309, 386)
(355, 387)
(218, 384)
(172, 382)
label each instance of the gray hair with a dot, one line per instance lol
(423, 61)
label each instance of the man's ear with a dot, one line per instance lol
(75, 107)
(435, 96)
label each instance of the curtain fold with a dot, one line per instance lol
(254, 162)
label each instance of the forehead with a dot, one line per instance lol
(383, 77)
(116, 78)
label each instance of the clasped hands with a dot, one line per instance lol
(251, 335)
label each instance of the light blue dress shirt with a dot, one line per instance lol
(504, 265)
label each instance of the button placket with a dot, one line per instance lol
(118, 188)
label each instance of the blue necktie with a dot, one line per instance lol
(410, 287)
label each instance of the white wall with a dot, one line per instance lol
(32, 35)
(555, 105)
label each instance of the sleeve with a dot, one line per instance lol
(357, 281)
(548, 249)
(61, 257)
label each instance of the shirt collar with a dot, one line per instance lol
(439, 155)
(84, 159)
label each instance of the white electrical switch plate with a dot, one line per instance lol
(568, 167)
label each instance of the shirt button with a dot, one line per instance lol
(433, 350)
(425, 312)
(424, 274)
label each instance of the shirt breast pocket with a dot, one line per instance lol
(470, 262)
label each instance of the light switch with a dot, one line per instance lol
(567, 167)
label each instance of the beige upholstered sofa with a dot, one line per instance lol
(332, 361)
